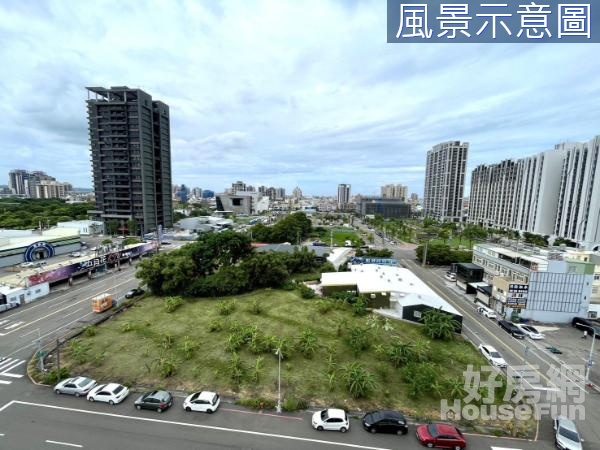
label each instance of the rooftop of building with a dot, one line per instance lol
(400, 283)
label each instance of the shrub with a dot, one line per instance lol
(293, 403)
(226, 308)
(357, 380)
(89, 331)
(235, 369)
(257, 343)
(166, 366)
(187, 347)
(305, 291)
(257, 369)
(126, 327)
(324, 306)
(52, 377)
(256, 307)
(167, 340)
(358, 339)
(234, 342)
(172, 303)
(400, 353)
(285, 346)
(307, 343)
(99, 358)
(360, 306)
(79, 351)
(216, 325)
(257, 403)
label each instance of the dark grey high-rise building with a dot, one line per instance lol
(130, 145)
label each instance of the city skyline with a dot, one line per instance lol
(298, 113)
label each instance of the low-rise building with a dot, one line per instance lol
(386, 207)
(537, 284)
(395, 292)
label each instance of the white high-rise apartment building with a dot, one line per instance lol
(445, 181)
(394, 191)
(553, 193)
(343, 196)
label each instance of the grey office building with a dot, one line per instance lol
(130, 146)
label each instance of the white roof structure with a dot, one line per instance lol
(403, 286)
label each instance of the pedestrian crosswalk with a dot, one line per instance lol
(7, 366)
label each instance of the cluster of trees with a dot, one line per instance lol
(292, 228)
(439, 253)
(536, 239)
(220, 264)
(17, 213)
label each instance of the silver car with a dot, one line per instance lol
(75, 386)
(566, 437)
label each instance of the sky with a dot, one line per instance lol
(282, 93)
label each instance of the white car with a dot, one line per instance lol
(204, 401)
(486, 312)
(76, 386)
(492, 355)
(531, 332)
(111, 393)
(331, 419)
(75, 254)
(566, 437)
(450, 276)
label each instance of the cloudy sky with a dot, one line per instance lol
(299, 93)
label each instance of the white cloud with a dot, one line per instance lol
(282, 92)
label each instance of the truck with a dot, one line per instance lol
(102, 302)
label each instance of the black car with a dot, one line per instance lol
(587, 325)
(512, 329)
(155, 400)
(385, 422)
(134, 293)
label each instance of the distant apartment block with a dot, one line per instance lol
(343, 196)
(36, 184)
(130, 147)
(445, 181)
(297, 193)
(386, 207)
(553, 193)
(394, 191)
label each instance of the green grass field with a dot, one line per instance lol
(340, 235)
(132, 357)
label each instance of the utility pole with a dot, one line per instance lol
(39, 351)
(590, 362)
(278, 353)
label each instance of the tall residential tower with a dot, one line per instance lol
(445, 181)
(130, 146)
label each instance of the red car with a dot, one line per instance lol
(441, 435)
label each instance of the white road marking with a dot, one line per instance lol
(27, 334)
(14, 325)
(10, 364)
(194, 425)
(2, 322)
(5, 382)
(64, 443)
(71, 313)
(1, 434)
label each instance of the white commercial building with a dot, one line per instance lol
(543, 285)
(86, 227)
(445, 181)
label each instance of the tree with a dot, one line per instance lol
(440, 324)
(474, 233)
(266, 270)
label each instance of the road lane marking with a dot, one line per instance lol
(10, 364)
(2, 322)
(67, 444)
(71, 313)
(11, 326)
(27, 334)
(261, 414)
(194, 425)
(5, 382)
(7, 405)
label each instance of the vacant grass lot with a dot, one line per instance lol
(134, 346)
(340, 235)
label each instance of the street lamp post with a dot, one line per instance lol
(590, 361)
(278, 353)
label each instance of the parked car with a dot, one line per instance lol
(25, 265)
(492, 355)
(76, 386)
(204, 401)
(585, 324)
(441, 435)
(155, 400)
(331, 419)
(511, 329)
(450, 276)
(111, 393)
(75, 254)
(385, 422)
(165, 243)
(566, 436)
(486, 312)
(134, 292)
(531, 332)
